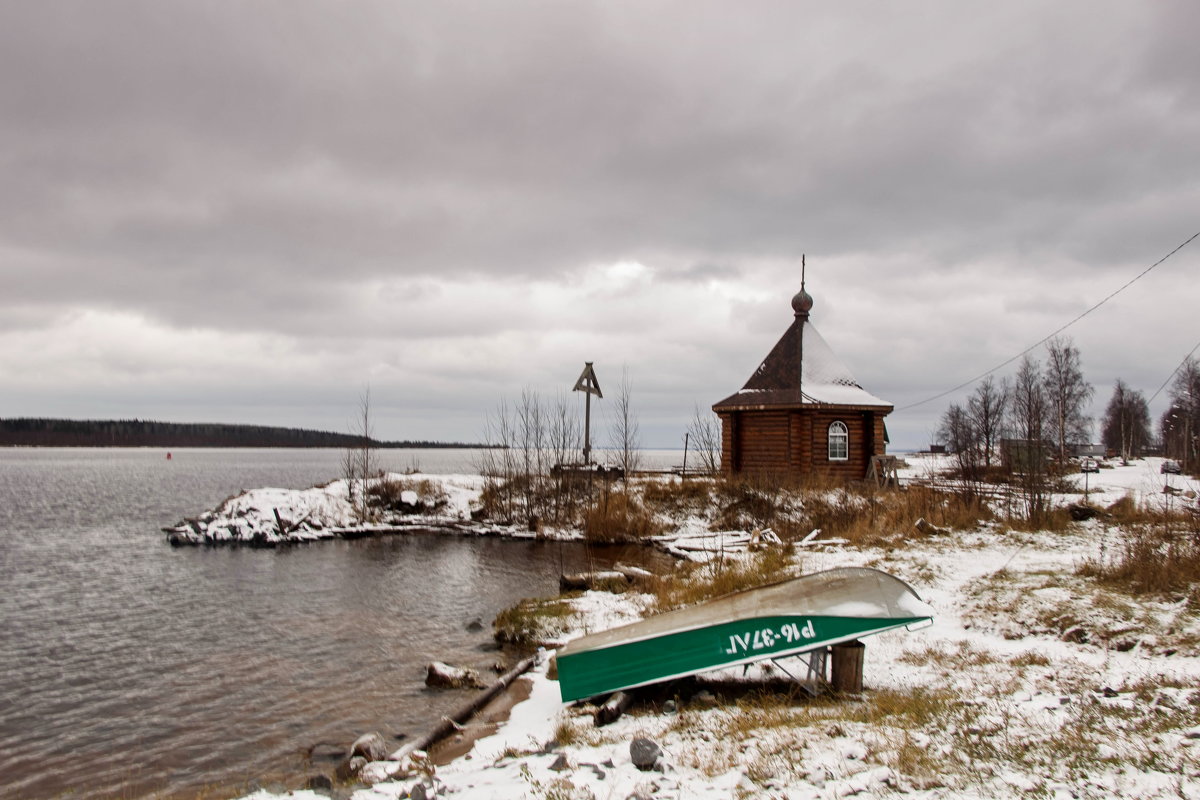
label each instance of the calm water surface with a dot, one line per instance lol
(131, 669)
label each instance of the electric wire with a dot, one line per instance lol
(1054, 333)
(1174, 372)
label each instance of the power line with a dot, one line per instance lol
(1174, 372)
(1051, 335)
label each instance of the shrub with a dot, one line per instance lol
(674, 496)
(1150, 560)
(695, 583)
(534, 621)
(866, 516)
(385, 493)
(617, 517)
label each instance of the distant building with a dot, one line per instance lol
(802, 414)
(1025, 455)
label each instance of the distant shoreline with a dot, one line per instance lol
(41, 432)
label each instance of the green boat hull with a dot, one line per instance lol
(728, 632)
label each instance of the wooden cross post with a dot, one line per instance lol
(587, 384)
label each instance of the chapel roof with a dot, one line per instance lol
(801, 369)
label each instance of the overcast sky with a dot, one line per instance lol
(251, 211)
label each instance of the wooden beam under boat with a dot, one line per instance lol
(773, 621)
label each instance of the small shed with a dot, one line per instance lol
(802, 414)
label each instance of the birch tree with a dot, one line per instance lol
(358, 462)
(986, 408)
(626, 437)
(961, 438)
(1067, 394)
(1028, 417)
(1180, 423)
(1126, 426)
(704, 433)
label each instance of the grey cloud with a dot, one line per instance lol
(252, 167)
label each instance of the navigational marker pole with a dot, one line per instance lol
(587, 384)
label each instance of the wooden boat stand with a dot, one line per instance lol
(845, 663)
(813, 682)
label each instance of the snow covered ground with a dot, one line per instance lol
(279, 516)
(1033, 681)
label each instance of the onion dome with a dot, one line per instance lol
(802, 303)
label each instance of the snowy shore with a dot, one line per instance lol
(270, 517)
(1032, 681)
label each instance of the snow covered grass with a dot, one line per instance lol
(536, 621)
(1035, 680)
(279, 516)
(696, 582)
(1061, 663)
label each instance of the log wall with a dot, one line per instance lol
(795, 442)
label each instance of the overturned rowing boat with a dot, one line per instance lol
(782, 619)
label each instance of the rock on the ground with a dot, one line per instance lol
(351, 767)
(445, 676)
(319, 783)
(370, 746)
(644, 753)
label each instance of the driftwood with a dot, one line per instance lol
(633, 574)
(591, 580)
(928, 528)
(613, 708)
(452, 723)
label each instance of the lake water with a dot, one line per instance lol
(132, 669)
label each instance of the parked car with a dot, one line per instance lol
(1169, 467)
(1089, 465)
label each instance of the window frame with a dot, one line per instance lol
(837, 432)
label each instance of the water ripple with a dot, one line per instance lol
(129, 669)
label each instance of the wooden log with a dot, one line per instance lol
(613, 708)
(580, 581)
(452, 723)
(846, 669)
(929, 529)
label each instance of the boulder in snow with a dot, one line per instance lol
(370, 746)
(644, 753)
(444, 676)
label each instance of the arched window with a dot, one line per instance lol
(839, 442)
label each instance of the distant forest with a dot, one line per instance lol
(27, 432)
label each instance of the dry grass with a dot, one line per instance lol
(385, 493)
(534, 621)
(866, 516)
(757, 501)
(674, 496)
(695, 583)
(1151, 560)
(619, 517)
(1054, 520)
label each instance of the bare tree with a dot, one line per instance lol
(563, 431)
(358, 462)
(986, 409)
(565, 439)
(531, 439)
(1067, 393)
(958, 432)
(1028, 414)
(499, 460)
(1180, 423)
(1126, 426)
(704, 432)
(625, 432)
